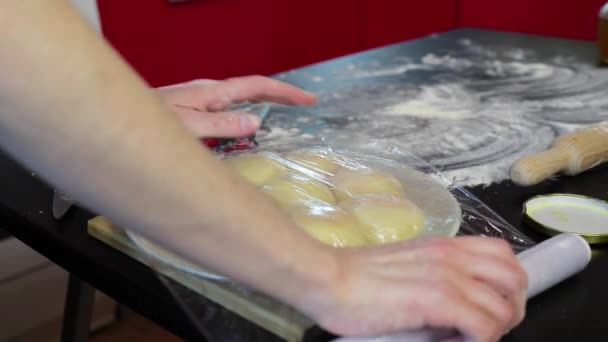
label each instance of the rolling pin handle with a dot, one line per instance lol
(531, 170)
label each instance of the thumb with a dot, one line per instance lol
(220, 124)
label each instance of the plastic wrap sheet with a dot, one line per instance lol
(329, 182)
(477, 217)
(346, 198)
(422, 183)
(357, 193)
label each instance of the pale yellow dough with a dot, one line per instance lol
(386, 219)
(295, 190)
(256, 169)
(336, 228)
(350, 183)
(319, 162)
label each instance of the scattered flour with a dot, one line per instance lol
(447, 61)
(401, 69)
(276, 133)
(303, 119)
(472, 128)
(534, 71)
(517, 54)
(466, 42)
(443, 101)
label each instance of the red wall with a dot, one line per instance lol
(305, 32)
(222, 38)
(169, 43)
(562, 18)
(391, 21)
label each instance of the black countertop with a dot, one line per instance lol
(572, 310)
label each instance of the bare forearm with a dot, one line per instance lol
(72, 110)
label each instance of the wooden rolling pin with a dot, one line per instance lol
(602, 34)
(570, 154)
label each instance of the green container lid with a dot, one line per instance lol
(568, 213)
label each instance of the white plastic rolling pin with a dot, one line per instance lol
(547, 264)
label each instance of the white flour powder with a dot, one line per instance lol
(476, 115)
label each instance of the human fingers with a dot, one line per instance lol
(219, 124)
(492, 261)
(444, 306)
(499, 270)
(486, 259)
(496, 247)
(188, 84)
(221, 95)
(486, 297)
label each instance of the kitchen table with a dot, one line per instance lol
(467, 101)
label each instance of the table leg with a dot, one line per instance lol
(78, 310)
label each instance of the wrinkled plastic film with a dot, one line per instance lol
(422, 184)
(346, 198)
(350, 194)
(477, 217)
(357, 193)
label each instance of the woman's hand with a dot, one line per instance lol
(201, 104)
(122, 156)
(474, 284)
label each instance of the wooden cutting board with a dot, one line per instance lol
(262, 310)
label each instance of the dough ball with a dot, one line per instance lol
(350, 183)
(256, 169)
(294, 190)
(321, 161)
(386, 219)
(334, 227)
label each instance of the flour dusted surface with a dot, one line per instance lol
(470, 112)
